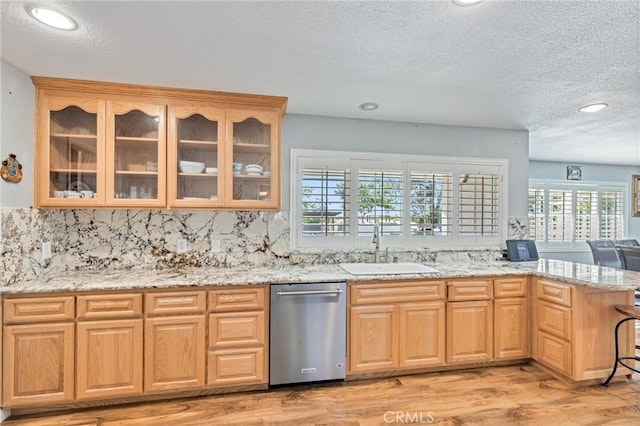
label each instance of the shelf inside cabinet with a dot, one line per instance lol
(136, 172)
(198, 175)
(128, 139)
(73, 136)
(252, 177)
(252, 147)
(187, 143)
(74, 171)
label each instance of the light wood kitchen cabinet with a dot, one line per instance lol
(469, 321)
(109, 344)
(111, 145)
(574, 329)
(237, 336)
(38, 345)
(70, 150)
(511, 318)
(196, 134)
(409, 333)
(136, 154)
(174, 353)
(109, 358)
(253, 139)
(174, 340)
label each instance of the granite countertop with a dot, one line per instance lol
(569, 272)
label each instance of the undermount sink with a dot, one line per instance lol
(387, 268)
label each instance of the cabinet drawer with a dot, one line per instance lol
(554, 319)
(105, 306)
(175, 302)
(414, 291)
(554, 352)
(459, 291)
(236, 366)
(236, 329)
(250, 298)
(554, 292)
(38, 309)
(510, 287)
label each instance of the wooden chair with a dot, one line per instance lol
(631, 313)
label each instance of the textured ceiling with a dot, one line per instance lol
(502, 64)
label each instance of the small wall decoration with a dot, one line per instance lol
(574, 173)
(635, 195)
(11, 170)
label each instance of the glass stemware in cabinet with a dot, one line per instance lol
(74, 150)
(195, 137)
(138, 146)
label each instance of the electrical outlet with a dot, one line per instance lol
(215, 246)
(46, 250)
(181, 246)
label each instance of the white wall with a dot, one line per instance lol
(17, 133)
(591, 173)
(345, 134)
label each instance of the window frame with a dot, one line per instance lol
(575, 187)
(305, 158)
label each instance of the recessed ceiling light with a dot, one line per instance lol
(466, 2)
(593, 107)
(368, 106)
(52, 18)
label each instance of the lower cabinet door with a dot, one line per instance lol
(510, 328)
(37, 364)
(109, 358)
(373, 343)
(469, 331)
(174, 353)
(421, 334)
(554, 352)
(236, 367)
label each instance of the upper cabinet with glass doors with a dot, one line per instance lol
(70, 161)
(196, 156)
(129, 146)
(254, 152)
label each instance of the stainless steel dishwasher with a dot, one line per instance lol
(308, 328)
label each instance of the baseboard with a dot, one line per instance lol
(4, 414)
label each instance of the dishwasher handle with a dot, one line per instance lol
(309, 292)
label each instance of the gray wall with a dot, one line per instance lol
(17, 132)
(345, 134)
(591, 173)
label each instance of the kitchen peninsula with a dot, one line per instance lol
(128, 335)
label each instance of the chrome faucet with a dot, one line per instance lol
(376, 240)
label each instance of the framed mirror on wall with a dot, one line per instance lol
(635, 195)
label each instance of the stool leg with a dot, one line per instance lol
(615, 365)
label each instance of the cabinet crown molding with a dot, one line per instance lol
(164, 94)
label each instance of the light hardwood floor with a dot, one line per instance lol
(522, 394)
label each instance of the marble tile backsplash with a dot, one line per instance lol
(84, 239)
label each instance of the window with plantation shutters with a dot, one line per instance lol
(611, 219)
(430, 203)
(324, 208)
(561, 215)
(560, 224)
(338, 198)
(537, 214)
(478, 205)
(380, 201)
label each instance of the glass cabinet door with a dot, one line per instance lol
(195, 138)
(73, 141)
(253, 157)
(136, 154)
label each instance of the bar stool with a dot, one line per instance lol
(631, 313)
